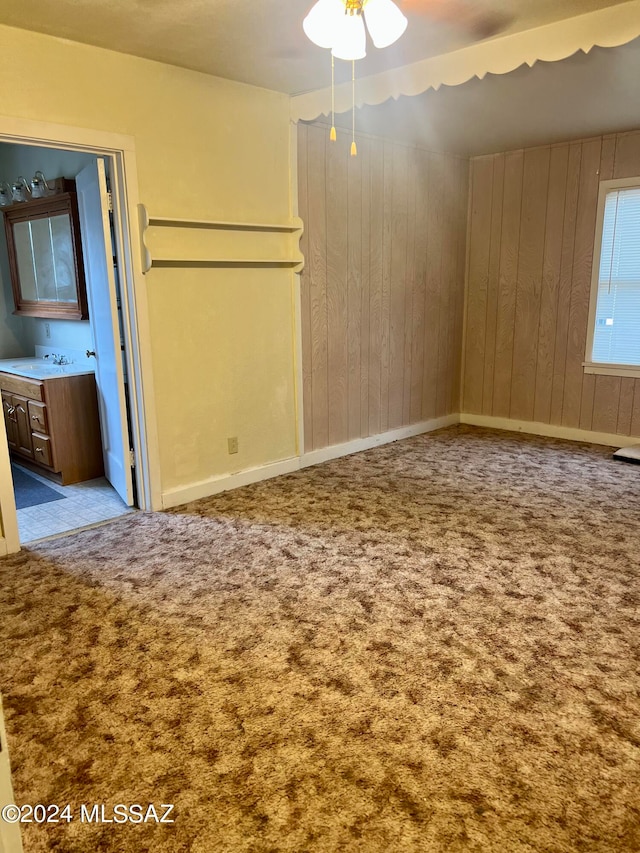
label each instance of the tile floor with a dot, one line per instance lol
(84, 504)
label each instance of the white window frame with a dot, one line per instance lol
(632, 370)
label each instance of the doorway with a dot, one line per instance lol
(114, 294)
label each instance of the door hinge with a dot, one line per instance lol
(132, 458)
(109, 201)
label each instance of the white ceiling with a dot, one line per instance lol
(584, 95)
(259, 42)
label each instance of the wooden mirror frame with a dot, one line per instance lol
(43, 208)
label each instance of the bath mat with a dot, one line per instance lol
(29, 491)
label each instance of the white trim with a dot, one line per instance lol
(601, 369)
(335, 451)
(10, 540)
(22, 131)
(225, 482)
(589, 365)
(609, 439)
(610, 27)
(595, 271)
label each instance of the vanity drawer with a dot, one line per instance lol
(38, 417)
(30, 388)
(42, 450)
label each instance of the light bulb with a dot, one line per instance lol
(385, 22)
(323, 21)
(6, 194)
(350, 38)
(21, 190)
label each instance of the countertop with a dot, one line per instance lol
(41, 368)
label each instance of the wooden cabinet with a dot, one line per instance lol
(45, 256)
(54, 424)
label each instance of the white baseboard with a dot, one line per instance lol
(550, 430)
(225, 482)
(335, 451)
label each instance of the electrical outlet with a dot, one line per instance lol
(232, 443)
(47, 330)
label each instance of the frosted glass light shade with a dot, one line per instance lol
(385, 22)
(323, 22)
(350, 38)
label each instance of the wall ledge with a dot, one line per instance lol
(609, 439)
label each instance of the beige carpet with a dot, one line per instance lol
(431, 646)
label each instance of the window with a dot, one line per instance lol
(613, 345)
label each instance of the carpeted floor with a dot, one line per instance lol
(431, 646)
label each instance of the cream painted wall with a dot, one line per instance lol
(222, 341)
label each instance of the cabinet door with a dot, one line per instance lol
(38, 417)
(21, 405)
(8, 410)
(42, 450)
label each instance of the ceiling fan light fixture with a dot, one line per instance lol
(350, 38)
(385, 22)
(323, 21)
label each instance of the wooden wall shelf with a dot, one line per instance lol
(223, 225)
(159, 250)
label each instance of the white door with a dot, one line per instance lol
(97, 247)
(10, 841)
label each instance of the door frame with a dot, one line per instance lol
(119, 151)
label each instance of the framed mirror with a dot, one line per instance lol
(45, 258)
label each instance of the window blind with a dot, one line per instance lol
(616, 338)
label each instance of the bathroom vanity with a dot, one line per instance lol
(51, 417)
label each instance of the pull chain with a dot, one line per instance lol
(354, 147)
(332, 135)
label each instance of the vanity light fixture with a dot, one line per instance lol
(21, 190)
(339, 26)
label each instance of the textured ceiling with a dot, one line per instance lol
(261, 42)
(584, 95)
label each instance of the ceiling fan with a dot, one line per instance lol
(340, 24)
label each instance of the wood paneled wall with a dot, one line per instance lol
(531, 236)
(382, 289)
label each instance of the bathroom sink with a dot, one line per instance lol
(40, 368)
